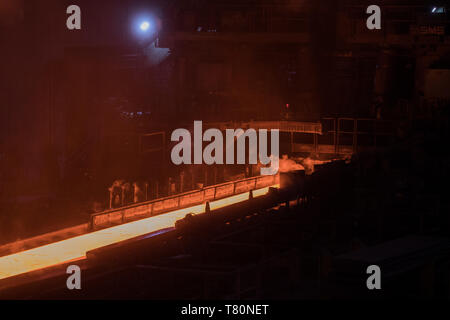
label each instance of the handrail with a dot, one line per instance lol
(162, 205)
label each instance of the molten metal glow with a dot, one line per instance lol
(228, 201)
(76, 248)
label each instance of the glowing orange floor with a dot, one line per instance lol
(76, 248)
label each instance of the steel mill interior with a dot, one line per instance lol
(224, 150)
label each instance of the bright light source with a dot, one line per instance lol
(438, 10)
(144, 26)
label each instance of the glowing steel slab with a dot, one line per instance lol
(76, 248)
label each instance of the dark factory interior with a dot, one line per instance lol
(354, 103)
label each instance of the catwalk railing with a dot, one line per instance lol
(344, 136)
(159, 206)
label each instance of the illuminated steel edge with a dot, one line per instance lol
(75, 248)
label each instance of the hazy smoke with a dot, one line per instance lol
(287, 165)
